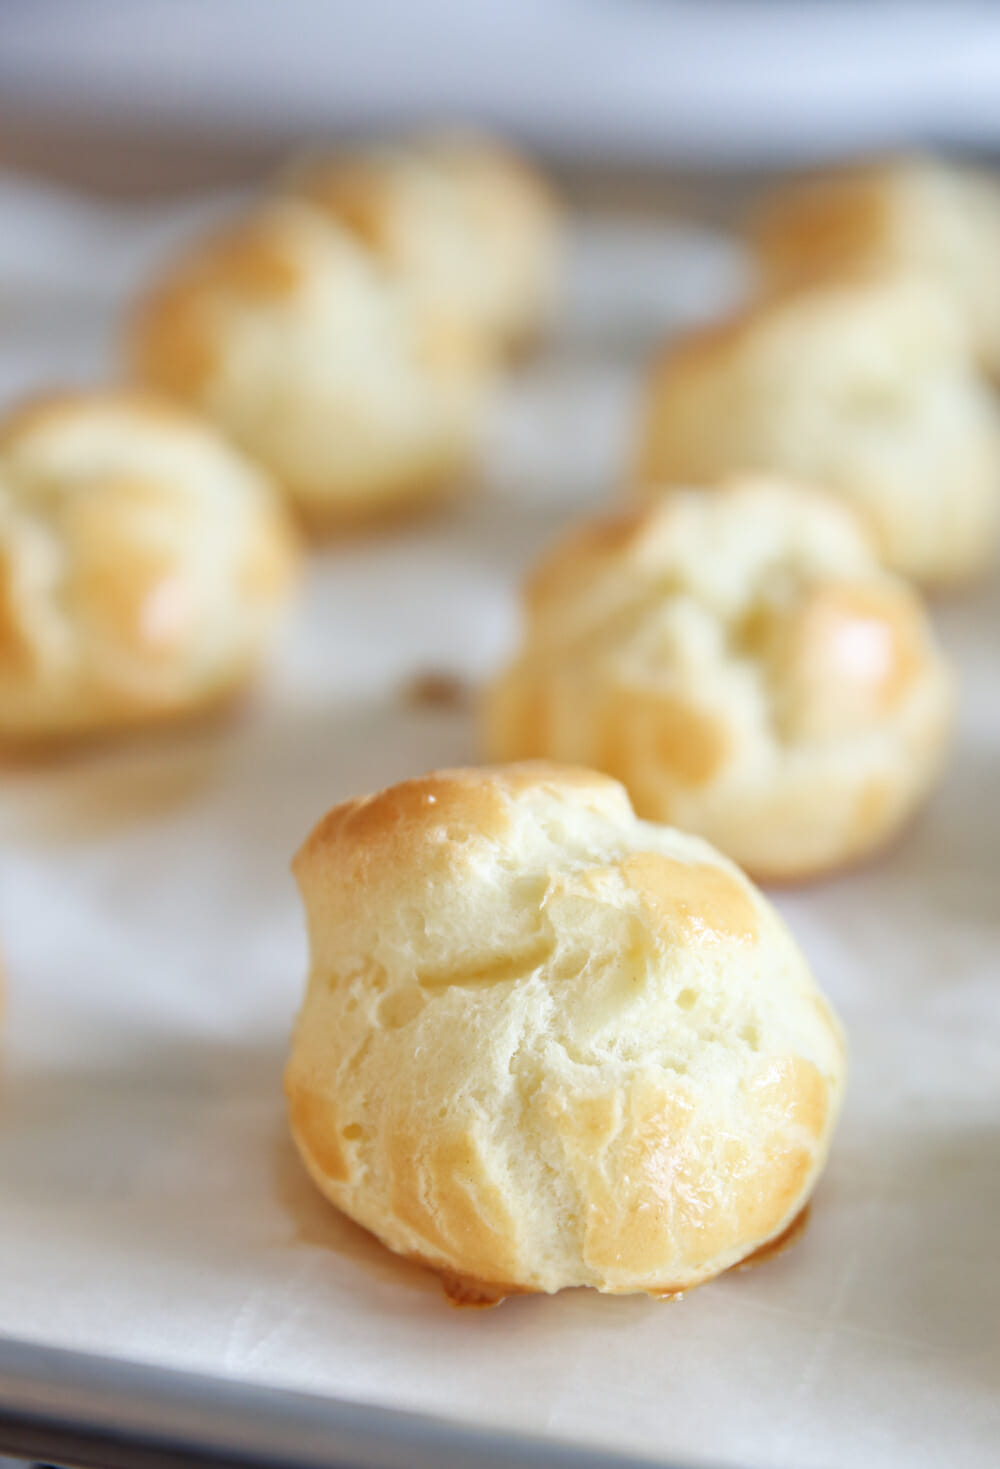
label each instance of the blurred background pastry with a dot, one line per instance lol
(911, 215)
(740, 661)
(545, 1044)
(296, 341)
(864, 387)
(144, 566)
(467, 228)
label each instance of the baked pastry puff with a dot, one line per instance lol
(470, 230)
(915, 215)
(864, 387)
(144, 566)
(292, 338)
(546, 1044)
(740, 661)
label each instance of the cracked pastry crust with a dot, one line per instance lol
(144, 566)
(545, 1044)
(738, 658)
(468, 229)
(863, 387)
(908, 214)
(287, 332)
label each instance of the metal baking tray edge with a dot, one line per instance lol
(88, 1410)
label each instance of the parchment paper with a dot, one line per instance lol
(150, 1203)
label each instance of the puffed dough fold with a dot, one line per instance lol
(909, 215)
(739, 659)
(145, 566)
(469, 230)
(547, 1044)
(864, 387)
(288, 333)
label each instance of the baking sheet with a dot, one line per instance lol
(150, 1203)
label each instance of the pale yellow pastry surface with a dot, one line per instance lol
(290, 335)
(144, 566)
(470, 230)
(864, 387)
(910, 214)
(739, 659)
(545, 1044)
